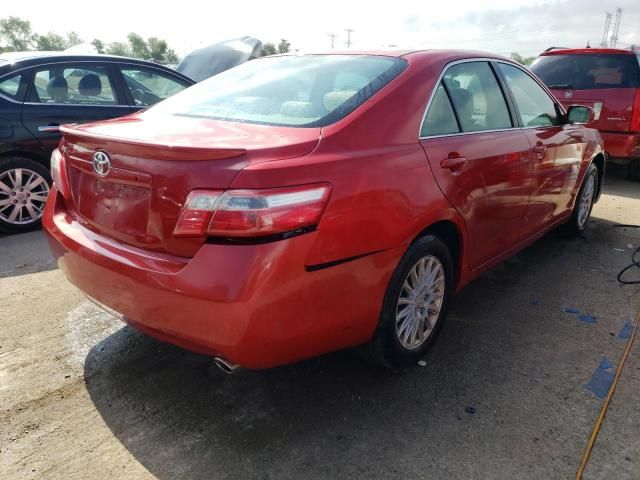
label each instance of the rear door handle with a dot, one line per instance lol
(540, 149)
(453, 163)
(53, 128)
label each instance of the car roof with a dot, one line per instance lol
(430, 54)
(16, 60)
(587, 51)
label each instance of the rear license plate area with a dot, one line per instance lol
(113, 205)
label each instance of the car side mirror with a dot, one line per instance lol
(579, 114)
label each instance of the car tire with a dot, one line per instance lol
(410, 300)
(24, 187)
(583, 204)
(633, 170)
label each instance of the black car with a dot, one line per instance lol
(40, 91)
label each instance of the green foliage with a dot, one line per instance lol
(54, 42)
(15, 34)
(50, 42)
(268, 48)
(73, 39)
(283, 46)
(98, 45)
(159, 51)
(522, 60)
(138, 46)
(118, 48)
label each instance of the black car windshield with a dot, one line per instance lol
(588, 71)
(296, 91)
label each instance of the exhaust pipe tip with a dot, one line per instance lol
(226, 366)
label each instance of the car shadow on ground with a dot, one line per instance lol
(502, 353)
(616, 183)
(25, 253)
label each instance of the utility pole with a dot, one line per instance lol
(333, 38)
(616, 28)
(349, 31)
(605, 37)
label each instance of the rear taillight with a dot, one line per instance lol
(635, 113)
(252, 213)
(59, 173)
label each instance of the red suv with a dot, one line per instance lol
(608, 81)
(297, 205)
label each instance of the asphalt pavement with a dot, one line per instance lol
(511, 389)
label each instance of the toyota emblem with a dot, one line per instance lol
(568, 94)
(101, 163)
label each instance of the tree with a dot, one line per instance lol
(283, 46)
(157, 48)
(98, 44)
(16, 34)
(50, 42)
(522, 60)
(171, 56)
(138, 46)
(268, 49)
(118, 48)
(73, 39)
(160, 52)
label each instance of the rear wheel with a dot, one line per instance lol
(584, 203)
(24, 187)
(415, 304)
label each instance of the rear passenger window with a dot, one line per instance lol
(11, 87)
(440, 119)
(81, 85)
(477, 97)
(535, 106)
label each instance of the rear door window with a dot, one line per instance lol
(535, 107)
(13, 87)
(476, 97)
(440, 119)
(73, 84)
(588, 71)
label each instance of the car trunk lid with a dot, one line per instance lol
(155, 162)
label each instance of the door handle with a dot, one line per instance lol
(453, 163)
(53, 128)
(540, 149)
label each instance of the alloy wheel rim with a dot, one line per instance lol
(586, 199)
(23, 193)
(420, 302)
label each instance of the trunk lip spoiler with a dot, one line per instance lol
(161, 150)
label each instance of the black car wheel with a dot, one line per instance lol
(24, 187)
(415, 305)
(583, 204)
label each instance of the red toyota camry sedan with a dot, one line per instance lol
(297, 205)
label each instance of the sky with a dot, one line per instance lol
(499, 26)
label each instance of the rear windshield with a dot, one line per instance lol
(588, 72)
(296, 91)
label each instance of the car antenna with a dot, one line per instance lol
(588, 46)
